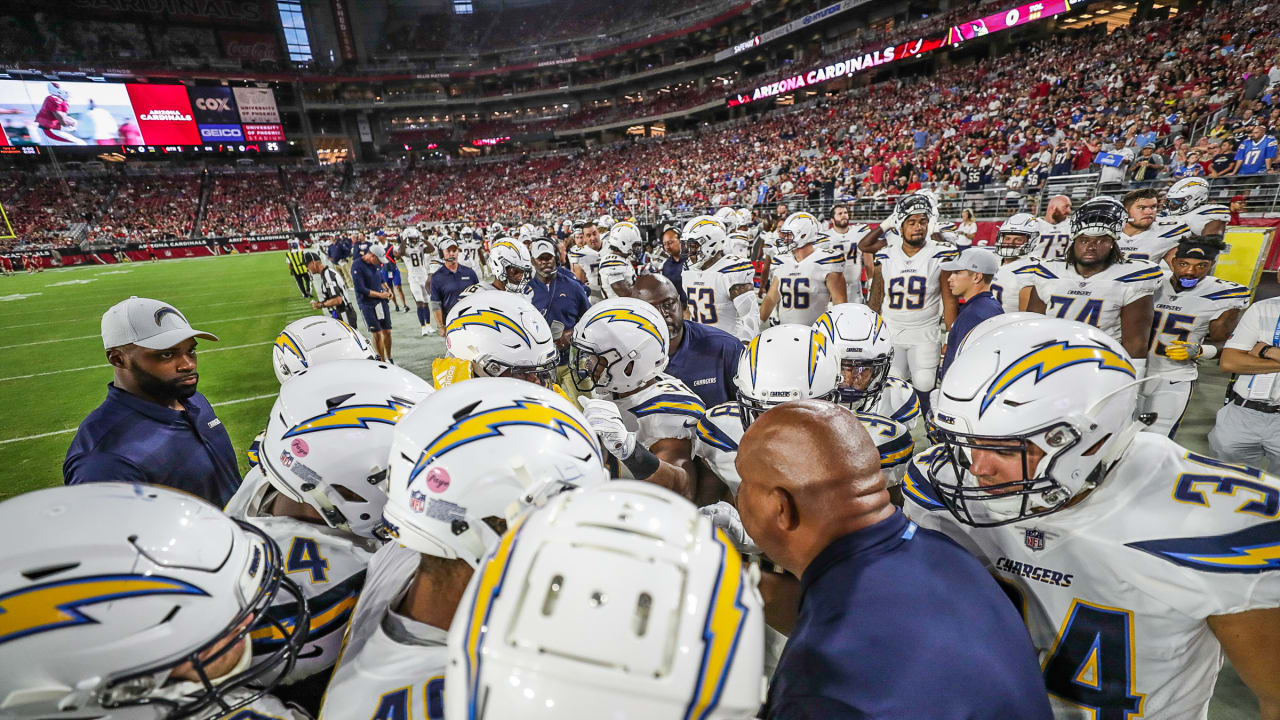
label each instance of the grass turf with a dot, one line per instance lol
(53, 371)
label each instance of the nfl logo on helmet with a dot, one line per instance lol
(1035, 539)
(417, 501)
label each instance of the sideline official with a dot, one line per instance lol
(153, 427)
(894, 621)
(330, 290)
(298, 268)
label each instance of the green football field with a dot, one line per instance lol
(53, 371)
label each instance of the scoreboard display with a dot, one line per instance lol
(139, 117)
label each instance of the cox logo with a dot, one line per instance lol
(214, 104)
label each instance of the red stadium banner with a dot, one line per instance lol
(1014, 17)
(164, 114)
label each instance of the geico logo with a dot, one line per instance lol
(214, 104)
(219, 132)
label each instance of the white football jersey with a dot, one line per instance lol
(846, 244)
(665, 409)
(267, 707)
(419, 261)
(484, 285)
(899, 402)
(1195, 220)
(802, 286)
(1009, 281)
(589, 260)
(614, 268)
(1150, 244)
(391, 666)
(327, 564)
(1186, 316)
(1095, 300)
(912, 286)
(1052, 244)
(709, 299)
(720, 431)
(1115, 590)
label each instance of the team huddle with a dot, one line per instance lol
(549, 526)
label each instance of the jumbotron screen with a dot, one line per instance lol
(70, 114)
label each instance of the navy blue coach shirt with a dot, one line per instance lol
(900, 623)
(129, 439)
(447, 285)
(674, 270)
(562, 300)
(982, 306)
(707, 361)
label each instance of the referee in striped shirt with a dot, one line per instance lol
(298, 268)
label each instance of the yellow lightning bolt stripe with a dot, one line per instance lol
(1047, 360)
(1243, 557)
(753, 352)
(721, 632)
(489, 423)
(488, 588)
(817, 348)
(346, 605)
(57, 604)
(505, 243)
(352, 416)
(824, 323)
(628, 316)
(490, 319)
(285, 342)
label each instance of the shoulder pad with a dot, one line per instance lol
(915, 484)
(671, 403)
(891, 438)
(612, 262)
(710, 432)
(1146, 272)
(736, 267)
(1255, 549)
(835, 259)
(1176, 230)
(1229, 291)
(329, 611)
(1036, 269)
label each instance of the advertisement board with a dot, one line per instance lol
(164, 114)
(263, 133)
(257, 105)
(1011, 18)
(213, 105)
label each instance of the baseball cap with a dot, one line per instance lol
(542, 247)
(378, 249)
(148, 323)
(975, 260)
(449, 241)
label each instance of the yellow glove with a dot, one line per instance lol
(1183, 351)
(446, 371)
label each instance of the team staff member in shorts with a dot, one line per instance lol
(1247, 429)
(391, 276)
(372, 294)
(449, 281)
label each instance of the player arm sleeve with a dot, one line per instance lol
(748, 309)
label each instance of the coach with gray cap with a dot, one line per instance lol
(153, 427)
(970, 281)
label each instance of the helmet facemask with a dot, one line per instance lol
(1013, 249)
(591, 369)
(543, 374)
(876, 372)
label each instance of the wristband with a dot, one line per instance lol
(1262, 351)
(642, 463)
(1208, 352)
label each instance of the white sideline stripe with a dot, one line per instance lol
(207, 322)
(105, 365)
(71, 430)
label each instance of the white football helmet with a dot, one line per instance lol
(605, 222)
(618, 345)
(617, 601)
(509, 262)
(107, 588)
(1017, 235)
(786, 362)
(1065, 387)
(329, 436)
(502, 335)
(624, 238)
(527, 232)
(703, 237)
(484, 448)
(729, 218)
(860, 339)
(798, 230)
(745, 218)
(411, 235)
(313, 341)
(56, 90)
(739, 245)
(1186, 195)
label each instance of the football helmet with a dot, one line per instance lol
(1064, 387)
(861, 341)
(1023, 225)
(745, 218)
(1186, 195)
(488, 447)
(1099, 216)
(603, 604)
(618, 345)
(605, 222)
(411, 235)
(739, 245)
(786, 362)
(703, 237)
(916, 204)
(729, 218)
(509, 262)
(109, 588)
(329, 436)
(502, 335)
(56, 90)
(527, 232)
(624, 238)
(798, 230)
(315, 340)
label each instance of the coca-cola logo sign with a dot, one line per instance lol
(250, 46)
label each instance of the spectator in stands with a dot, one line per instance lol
(1222, 163)
(1256, 154)
(154, 427)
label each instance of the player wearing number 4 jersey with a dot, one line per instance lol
(719, 286)
(909, 289)
(1195, 314)
(1135, 563)
(805, 279)
(1094, 284)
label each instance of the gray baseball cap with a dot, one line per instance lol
(148, 323)
(542, 247)
(977, 260)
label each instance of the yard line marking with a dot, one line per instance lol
(71, 430)
(205, 322)
(105, 365)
